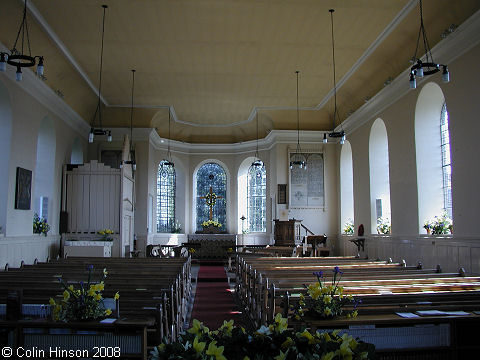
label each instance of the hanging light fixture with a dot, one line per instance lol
(298, 159)
(334, 134)
(100, 131)
(429, 67)
(169, 160)
(132, 153)
(257, 163)
(21, 57)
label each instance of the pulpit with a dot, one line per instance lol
(287, 233)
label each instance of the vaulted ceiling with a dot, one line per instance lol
(216, 63)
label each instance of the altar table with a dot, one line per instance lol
(212, 246)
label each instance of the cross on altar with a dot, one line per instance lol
(210, 200)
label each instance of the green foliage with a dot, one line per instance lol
(40, 226)
(273, 342)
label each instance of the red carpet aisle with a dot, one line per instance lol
(214, 302)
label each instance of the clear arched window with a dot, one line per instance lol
(211, 176)
(165, 198)
(257, 199)
(446, 161)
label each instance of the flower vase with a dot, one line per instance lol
(429, 231)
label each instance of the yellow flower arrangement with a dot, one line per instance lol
(84, 303)
(105, 234)
(324, 300)
(272, 342)
(211, 222)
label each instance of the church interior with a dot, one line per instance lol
(213, 155)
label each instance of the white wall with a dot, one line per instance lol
(27, 114)
(461, 248)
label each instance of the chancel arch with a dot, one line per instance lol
(346, 185)
(5, 138)
(211, 177)
(44, 176)
(252, 196)
(432, 145)
(379, 175)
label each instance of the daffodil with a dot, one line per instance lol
(91, 291)
(117, 296)
(71, 288)
(51, 301)
(306, 334)
(108, 312)
(281, 323)
(216, 351)
(287, 343)
(66, 295)
(105, 272)
(327, 311)
(328, 356)
(327, 299)
(227, 326)
(98, 297)
(281, 356)
(198, 346)
(246, 358)
(197, 328)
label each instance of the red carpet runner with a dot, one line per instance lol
(213, 300)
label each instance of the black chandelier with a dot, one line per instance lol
(100, 131)
(132, 153)
(257, 163)
(168, 161)
(21, 57)
(298, 159)
(428, 67)
(334, 134)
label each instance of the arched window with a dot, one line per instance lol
(432, 145)
(165, 198)
(346, 187)
(446, 161)
(211, 176)
(257, 199)
(76, 156)
(379, 178)
(45, 170)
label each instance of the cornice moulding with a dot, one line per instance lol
(464, 38)
(40, 91)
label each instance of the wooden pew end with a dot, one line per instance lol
(462, 272)
(419, 265)
(439, 268)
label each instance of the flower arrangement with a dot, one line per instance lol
(40, 226)
(439, 225)
(82, 303)
(349, 227)
(273, 342)
(211, 199)
(105, 234)
(211, 222)
(384, 226)
(326, 301)
(191, 250)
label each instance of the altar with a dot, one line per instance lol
(212, 246)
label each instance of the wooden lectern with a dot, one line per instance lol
(287, 233)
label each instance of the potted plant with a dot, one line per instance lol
(81, 303)
(383, 226)
(427, 225)
(40, 226)
(349, 228)
(324, 300)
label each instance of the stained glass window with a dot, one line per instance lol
(214, 176)
(165, 198)
(257, 199)
(446, 161)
